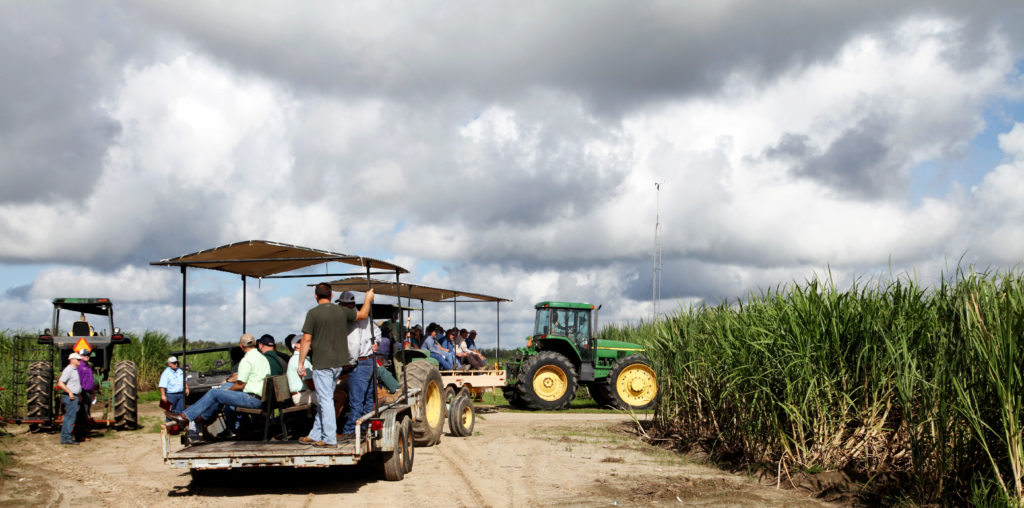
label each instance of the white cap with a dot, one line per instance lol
(74, 356)
(172, 359)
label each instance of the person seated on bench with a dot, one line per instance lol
(268, 348)
(245, 392)
(443, 356)
(303, 391)
(467, 356)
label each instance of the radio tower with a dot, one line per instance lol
(657, 248)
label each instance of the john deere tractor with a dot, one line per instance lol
(564, 352)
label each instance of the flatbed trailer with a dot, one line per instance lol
(475, 381)
(389, 439)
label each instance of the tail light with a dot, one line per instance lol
(377, 425)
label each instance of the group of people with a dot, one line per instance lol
(453, 349)
(336, 340)
(78, 382)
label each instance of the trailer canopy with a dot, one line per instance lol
(411, 291)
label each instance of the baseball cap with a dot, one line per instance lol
(346, 297)
(267, 339)
(172, 359)
(74, 356)
(84, 352)
(289, 341)
(247, 340)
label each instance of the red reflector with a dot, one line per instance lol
(376, 424)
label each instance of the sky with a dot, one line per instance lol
(506, 148)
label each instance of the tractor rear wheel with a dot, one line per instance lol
(633, 383)
(429, 421)
(547, 381)
(39, 394)
(126, 396)
(462, 417)
(512, 396)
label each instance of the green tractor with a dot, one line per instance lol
(564, 352)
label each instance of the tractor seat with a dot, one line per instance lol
(80, 329)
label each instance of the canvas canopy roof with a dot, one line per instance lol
(414, 291)
(261, 258)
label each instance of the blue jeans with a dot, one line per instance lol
(207, 406)
(177, 401)
(70, 413)
(360, 393)
(325, 425)
(442, 359)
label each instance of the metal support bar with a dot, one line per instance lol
(244, 294)
(184, 341)
(497, 347)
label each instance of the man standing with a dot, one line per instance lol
(245, 392)
(173, 387)
(83, 423)
(360, 382)
(72, 388)
(325, 331)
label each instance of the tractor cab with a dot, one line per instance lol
(91, 326)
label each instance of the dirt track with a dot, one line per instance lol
(515, 459)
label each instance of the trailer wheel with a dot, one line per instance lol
(408, 450)
(462, 417)
(599, 392)
(633, 383)
(126, 398)
(39, 392)
(429, 422)
(394, 461)
(547, 381)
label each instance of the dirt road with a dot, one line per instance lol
(514, 459)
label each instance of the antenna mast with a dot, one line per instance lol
(657, 249)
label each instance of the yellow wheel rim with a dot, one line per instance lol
(467, 416)
(637, 385)
(550, 383)
(432, 402)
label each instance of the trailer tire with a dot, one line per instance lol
(39, 395)
(126, 396)
(394, 461)
(408, 450)
(430, 411)
(633, 383)
(462, 417)
(547, 381)
(599, 392)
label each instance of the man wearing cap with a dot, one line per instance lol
(245, 392)
(360, 382)
(268, 348)
(467, 356)
(173, 386)
(325, 331)
(301, 386)
(72, 387)
(83, 424)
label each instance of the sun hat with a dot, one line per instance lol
(346, 297)
(172, 359)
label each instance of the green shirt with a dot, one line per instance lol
(252, 370)
(329, 325)
(276, 364)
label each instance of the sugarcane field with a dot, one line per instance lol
(512, 253)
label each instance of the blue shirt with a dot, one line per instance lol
(431, 344)
(172, 380)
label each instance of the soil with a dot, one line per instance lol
(513, 459)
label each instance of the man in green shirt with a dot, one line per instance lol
(268, 348)
(325, 332)
(245, 392)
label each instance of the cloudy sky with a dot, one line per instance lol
(508, 148)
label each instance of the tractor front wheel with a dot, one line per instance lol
(633, 383)
(126, 395)
(547, 381)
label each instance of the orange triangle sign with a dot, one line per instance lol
(82, 344)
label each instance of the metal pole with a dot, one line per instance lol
(497, 347)
(184, 341)
(455, 311)
(421, 313)
(244, 293)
